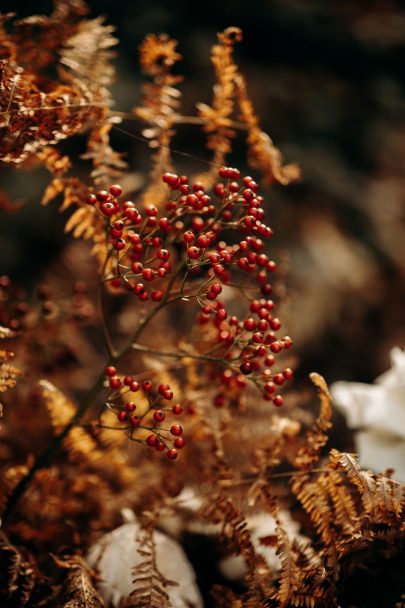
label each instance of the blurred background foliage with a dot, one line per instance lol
(327, 81)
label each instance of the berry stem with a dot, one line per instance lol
(180, 354)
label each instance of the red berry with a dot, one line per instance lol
(160, 446)
(107, 209)
(188, 236)
(147, 385)
(278, 400)
(249, 324)
(167, 394)
(193, 252)
(130, 406)
(148, 274)
(159, 415)
(246, 368)
(137, 267)
(275, 347)
(165, 225)
(172, 454)
(110, 370)
(122, 416)
(115, 234)
(218, 269)
(266, 289)
(177, 409)
(102, 195)
(179, 443)
(134, 387)
(135, 420)
(156, 295)
(172, 180)
(262, 325)
(269, 388)
(162, 388)
(115, 382)
(275, 324)
(279, 379)
(151, 440)
(287, 341)
(91, 199)
(176, 430)
(151, 211)
(119, 244)
(216, 288)
(163, 254)
(221, 314)
(115, 190)
(288, 373)
(203, 241)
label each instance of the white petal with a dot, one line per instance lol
(396, 373)
(379, 451)
(355, 400)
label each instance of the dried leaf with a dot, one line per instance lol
(78, 591)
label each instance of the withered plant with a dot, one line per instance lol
(173, 327)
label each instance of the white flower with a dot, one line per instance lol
(377, 412)
(116, 554)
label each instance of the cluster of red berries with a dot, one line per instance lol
(144, 239)
(150, 417)
(250, 348)
(196, 231)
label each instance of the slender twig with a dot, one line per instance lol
(246, 480)
(179, 354)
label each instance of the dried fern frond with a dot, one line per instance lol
(262, 153)
(108, 165)
(32, 119)
(84, 222)
(382, 498)
(79, 444)
(160, 104)
(20, 578)
(315, 500)
(101, 452)
(149, 583)
(54, 162)
(78, 590)
(290, 575)
(217, 117)
(316, 437)
(345, 510)
(35, 110)
(87, 55)
(310, 597)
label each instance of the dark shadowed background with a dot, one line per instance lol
(327, 81)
